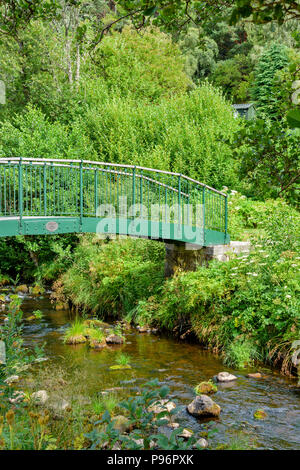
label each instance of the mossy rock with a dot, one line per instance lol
(95, 323)
(61, 306)
(37, 290)
(22, 288)
(80, 339)
(94, 344)
(206, 388)
(120, 367)
(31, 318)
(260, 414)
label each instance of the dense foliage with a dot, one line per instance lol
(142, 83)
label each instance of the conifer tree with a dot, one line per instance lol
(273, 59)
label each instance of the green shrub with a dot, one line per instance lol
(186, 134)
(245, 308)
(110, 278)
(240, 353)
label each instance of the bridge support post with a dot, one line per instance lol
(185, 257)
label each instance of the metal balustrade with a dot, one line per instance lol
(81, 196)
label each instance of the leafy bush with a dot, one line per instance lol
(268, 155)
(110, 278)
(248, 306)
(185, 134)
(146, 66)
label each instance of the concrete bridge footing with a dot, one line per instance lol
(185, 257)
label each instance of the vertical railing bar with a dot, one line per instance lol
(81, 192)
(203, 213)
(226, 216)
(179, 199)
(133, 186)
(95, 191)
(20, 195)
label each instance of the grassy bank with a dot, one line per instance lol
(246, 309)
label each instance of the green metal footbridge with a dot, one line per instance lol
(41, 196)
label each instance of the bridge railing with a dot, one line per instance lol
(52, 187)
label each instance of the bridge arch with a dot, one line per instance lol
(41, 196)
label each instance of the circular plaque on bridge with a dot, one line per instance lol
(51, 226)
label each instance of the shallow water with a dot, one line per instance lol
(181, 366)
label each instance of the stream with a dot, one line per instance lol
(181, 366)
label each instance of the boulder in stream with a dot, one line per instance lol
(203, 406)
(114, 339)
(225, 377)
(206, 388)
(22, 289)
(143, 329)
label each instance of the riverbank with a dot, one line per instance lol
(246, 309)
(82, 378)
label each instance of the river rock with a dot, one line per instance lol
(203, 406)
(255, 375)
(201, 443)
(140, 442)
(162, 405)
(186, 434)
(121, 423)
(260, 414)
(142, 329)
(174, 425)
(114, 339)
(77, 339)
(22, 288)
(225, 377)
(37, 290)
(206, 388)
(12, 379)
(40, 397)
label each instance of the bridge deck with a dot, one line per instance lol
(48, 196)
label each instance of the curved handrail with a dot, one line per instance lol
(69, 187)
(92, 162)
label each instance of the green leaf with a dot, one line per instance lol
(293, 118)
(150, 11)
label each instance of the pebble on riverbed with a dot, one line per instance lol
(201, 443)
(260, 414)
(255, 375)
